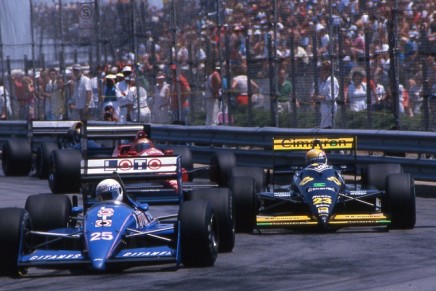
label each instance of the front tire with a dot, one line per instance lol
(401, 198)
(49, 211)
(14, 225)
(198, 227)
(244, 195)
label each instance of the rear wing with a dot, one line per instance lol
(307, 143)
(107, 135)
(284, 166)
(154, 180)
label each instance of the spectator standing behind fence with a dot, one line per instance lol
(109, 97)
(212, 95)
(42, 78)
(160, 100)
(47, 94)
(185, 92)
(29, 93)
(143, 114)
(326, 97)
(5, 102)
(82, 94)
(57, 99)
(124, 95)
(19, 97)
(239, 86)
(285, 93)
(94, 109)
(415, 89)
(356, 97)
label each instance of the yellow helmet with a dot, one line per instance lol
(316, 156)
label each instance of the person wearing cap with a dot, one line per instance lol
(212, 94)
(326, 97)
(160, 100)
(119, 77)
(110, 98)
(82, 94)
(124, 95)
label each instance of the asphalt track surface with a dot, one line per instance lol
(349, 259)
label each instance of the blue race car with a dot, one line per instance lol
(114, 231)
(317, 195)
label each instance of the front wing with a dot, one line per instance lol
(67, 258)
(274, 221)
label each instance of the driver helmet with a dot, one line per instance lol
(316, 156)
(109, 190)
(142, 144)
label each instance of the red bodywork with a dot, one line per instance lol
(142, 146)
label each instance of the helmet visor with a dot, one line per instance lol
(108, 195)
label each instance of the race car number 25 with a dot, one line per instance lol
(105, 235)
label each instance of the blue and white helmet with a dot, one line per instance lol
(109, 190)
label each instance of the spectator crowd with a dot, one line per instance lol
(171, 75)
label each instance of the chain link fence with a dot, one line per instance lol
(271, 56)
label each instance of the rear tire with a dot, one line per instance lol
(256, 173)
(375, 174)
(244, 195)
(49, 211)
(14, 224)
(220, 165)
(16, 157)
(42, 160)
(64, 171)
(221, 200)
(401, 198)
(186, 156)
(198, 227)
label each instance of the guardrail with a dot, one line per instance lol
(253, 145)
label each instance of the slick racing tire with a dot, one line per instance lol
(64, 171)
(48, 211)
(221, 200)
(15, 223)
(186, 155)
(42, 159)
(220, 165)
(401, 201)
(244, 197)
(16, 157)
(186, 159)
(375, 174)
(198, 234)
(256, 173)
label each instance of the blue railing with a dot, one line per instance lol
(253, 145)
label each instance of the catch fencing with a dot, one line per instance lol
(392, 43)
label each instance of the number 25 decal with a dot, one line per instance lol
(105, 235)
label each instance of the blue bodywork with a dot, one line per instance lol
(111, 233)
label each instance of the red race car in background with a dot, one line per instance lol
(106, 141)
